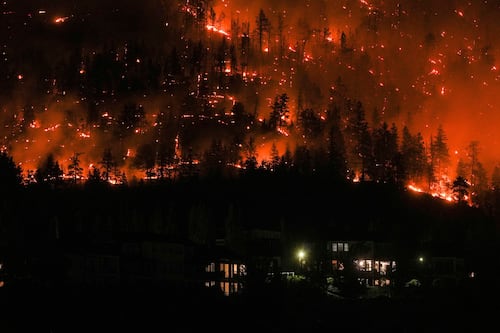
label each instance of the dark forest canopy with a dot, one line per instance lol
(315, 205)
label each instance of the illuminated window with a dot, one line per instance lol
(210, 267)
(235, 270)
(384, 267)
(243, 270)
(225, 288)
(340, 247)
(337, 265)
(365, 265)
(226, 270)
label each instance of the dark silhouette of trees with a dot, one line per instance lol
(360, 143)
(94, 177)
(302, 160)
(242, 119)
(495, 192)
(472, 169)
(189, 167)
(108, 163)
(10, 173)
(495, 178)
(215, 159)
(263, 27)
(75, 171)
(440, 156)
(286, 161)
(413, 158)
(385, 152)
(460, 189)
(145, 159)
(337, 155)
(280, 112)
(477, 174)
(49, 172)
(310, 123)
(250, 152)
(274, 157)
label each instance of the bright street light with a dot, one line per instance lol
(301, 255)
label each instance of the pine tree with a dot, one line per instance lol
(439, 152)
(336, 147)
(280, 112)
(108, 163)
(10, 173)
(74, 169)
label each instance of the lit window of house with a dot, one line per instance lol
(225, 269)
(225, 288)
(365, 265)
(337, 265)
(340, 247)
(382, 267)
(243, 270)
(210, 267)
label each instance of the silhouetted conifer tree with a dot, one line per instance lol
(10, 173)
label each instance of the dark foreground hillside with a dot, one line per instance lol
(293, 309)
(39, 225)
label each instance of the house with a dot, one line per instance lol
(264, 250)
(447, 271)
(371, 263)
(129, 260)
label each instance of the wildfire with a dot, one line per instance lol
(215, 29)
(61, 19)
(444, 195)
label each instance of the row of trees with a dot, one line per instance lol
(341, 150)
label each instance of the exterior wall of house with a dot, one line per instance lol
(447, 271)
(129, 263)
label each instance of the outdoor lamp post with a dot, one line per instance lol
(301, 255)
